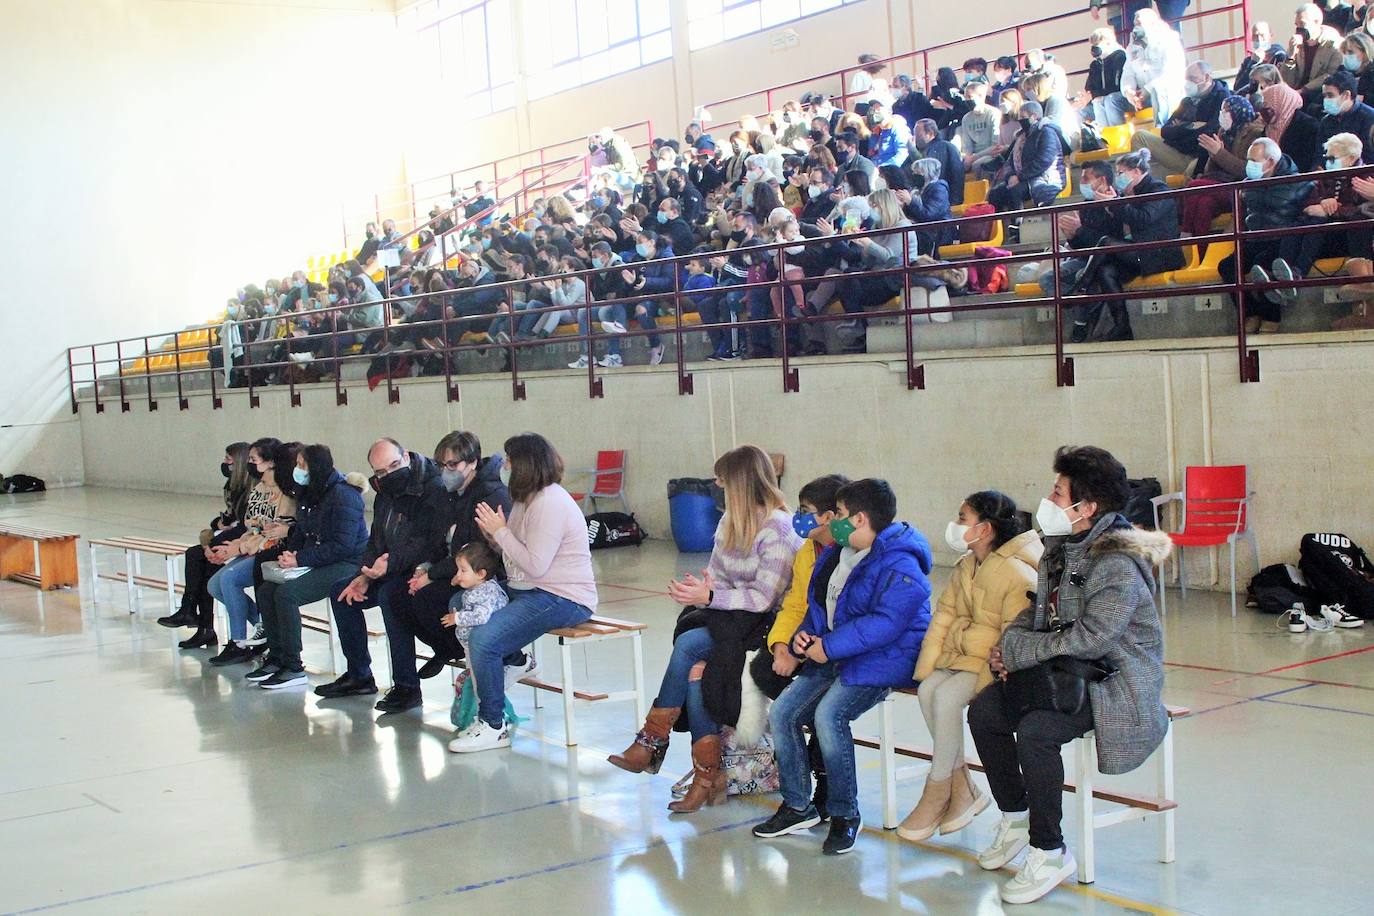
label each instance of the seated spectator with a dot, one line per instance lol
(1225, 156)
(909, 105)
(928, 203)
(1058, 110)
(1153, 75)
(1085, 229)
(1343, 112)
(1010, 107)
(1357, 57)
(687, 194)
(887, 144)
(1333, 200)
(622, 163)
(1039, 61)
(721, 306)
(1261, 37)
(475, 297)
(390, 237)
(868, 611)
(772, 153)
(1036, 169)
(655, 276)
(947, 99)
(1284, 120)
(818, 105)
(998, 556)
(925, 140)
(767, 198)
(1104, 80)
(883, 252)
(1267, 207)
(479, 201)
(1004, 76)
(980, 129)
(1312, 54)
(1097, 573)
(850, 159)
(673, 226)
(608, 285)
(1176, 148)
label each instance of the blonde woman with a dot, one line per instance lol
(729, 610)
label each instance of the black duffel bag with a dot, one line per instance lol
(1057, 685)
(613, 529)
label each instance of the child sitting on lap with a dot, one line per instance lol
(479, 568)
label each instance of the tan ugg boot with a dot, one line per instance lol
(645, 753)
(925, 818)
(708, 779)
(965, 801)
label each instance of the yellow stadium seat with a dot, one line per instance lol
(965, 249)
(1145, 114)
(1029, 290)
(1329, 265)
(1068, 184)
(668, 321)
(1116, 141)
(311, 262)
(975, 192)
(565, 330)
(1175, 181)
(378, 275)
(198, 359)
(1206, 270)
(139, 365)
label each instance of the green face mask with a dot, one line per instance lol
(841, 529)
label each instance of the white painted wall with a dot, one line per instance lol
(989, 423)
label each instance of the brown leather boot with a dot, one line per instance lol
(965, 801)
(645, 753)
(708, 779)
(925, 818)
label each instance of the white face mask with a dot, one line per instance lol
(1053, 520)
(955, 537)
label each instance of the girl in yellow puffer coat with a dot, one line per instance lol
(987, 592)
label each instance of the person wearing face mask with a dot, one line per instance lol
(849, 159)
(868, 608)
(998, 557)
(705, 171)
(1343, 112)
(980, 128)
(1176, 148)
(409, 520)
(1266, 207)
(1153, 75)
(651, 275)
(739, 151)
(1312, 54)
(608, 285)
(1094, 602)
(1104, 79)
(415, 611)
(928, 203)
(1280, 108)
(1036, 169)
(1238, 127)
(887, 144)
(1357, 58)
(926, 143)
(687, 194)
(1261, 37)
(1084, 229)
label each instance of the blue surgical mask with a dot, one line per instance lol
(804, 523)
(1331, 106)
(598, 202)
(1088, 192)
(1351, 62)
(300, 475)
(598, 262)
(486, 242)
(1254, 170)
(1333, 164)
(1123, 181)
(642, 249)
(662, 217)
(333, 298)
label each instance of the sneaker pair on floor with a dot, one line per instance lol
(609, 361)
(1329, 616)
(1282, 271)
(844, 831)
(271, 676)
(1039, 873)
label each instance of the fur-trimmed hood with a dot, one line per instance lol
(1150, 547)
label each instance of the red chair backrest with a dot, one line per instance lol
(1213, 500)
(609, 484)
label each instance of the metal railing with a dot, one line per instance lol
(396, 340)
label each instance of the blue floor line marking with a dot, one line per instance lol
(575, 863)
(400, 834)
(1352, 712)
(1243, 700)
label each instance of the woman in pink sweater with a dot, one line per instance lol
(550, 580)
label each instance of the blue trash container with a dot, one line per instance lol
(692, 509)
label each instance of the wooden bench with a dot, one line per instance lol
(596, 629)
(1131, 806)
(132, 575)
(44, 559)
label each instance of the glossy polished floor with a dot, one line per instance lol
(139, 779)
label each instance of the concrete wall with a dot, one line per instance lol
(993, 423)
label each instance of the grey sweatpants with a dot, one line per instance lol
(944, 696)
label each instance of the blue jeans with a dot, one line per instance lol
(649, 320)
(818, 699)
(227, 586)
(352, 627)
(678, 691)
(601, 313)
(530, 614)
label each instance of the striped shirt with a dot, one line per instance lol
(756, 579)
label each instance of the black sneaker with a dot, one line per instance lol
(284, 678)
(844, 831)
(787, 820)
(399, 699)
(432, 667)
(1080, 332)
(347, 686)
(820, 796)
(233, 654)
(263, 672)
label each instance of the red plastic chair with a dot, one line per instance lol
(1216, 511)
(608, 480)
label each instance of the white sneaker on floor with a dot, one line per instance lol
(516, 673)
(1337, 616)
(610, 361)
(580, 363)
(656, 355)
(1041, 873)
(1012, 836)
(1295, 619)
(257, 639)
(612, 327)
(480, 737)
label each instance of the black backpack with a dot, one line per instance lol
(1338, 571)
(22, 483)
(1138, 508)
(613, 529)
(1276, 588)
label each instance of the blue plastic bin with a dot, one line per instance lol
(693, 513)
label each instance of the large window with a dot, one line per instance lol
(463, 50)
(572, 42)
(713, 21)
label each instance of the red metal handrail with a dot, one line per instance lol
(392, 333)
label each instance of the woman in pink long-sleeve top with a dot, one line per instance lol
(550, 580)
(749, 571)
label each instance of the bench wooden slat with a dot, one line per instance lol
(558, 688)
(628, 625)
(27, 579)
(583, 630)
(159, 547)
(144, 581)
(321, 625)
(35, 534)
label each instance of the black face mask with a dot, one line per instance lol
(1027, 124)
(1097, 51)
(254, 473)
(394, 484)
(842, 155)
(226, 469)
(918, 182)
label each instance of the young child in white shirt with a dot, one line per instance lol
(479, 568)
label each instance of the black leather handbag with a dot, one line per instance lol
(1057, 685)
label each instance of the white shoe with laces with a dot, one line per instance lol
(656, 355)
(1041, 873)
(517, 673)
(480, 736)
(610, 361)
(1012, 836)
(580, 363)
(1337, 616)
(259, 637)
(1295, 619)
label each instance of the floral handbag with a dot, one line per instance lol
(748, 770)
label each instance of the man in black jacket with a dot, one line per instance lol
(1175, 147)
(672, 226)
(408, 525)
(925, 137)
(415, 611)
(1344, 113)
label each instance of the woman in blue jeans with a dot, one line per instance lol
(549, 578)
(271, 512)
(869, 607)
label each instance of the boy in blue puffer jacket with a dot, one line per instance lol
(868, 609)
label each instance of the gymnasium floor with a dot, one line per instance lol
(136, 778)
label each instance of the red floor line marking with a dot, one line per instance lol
(1314, 661)
(623, 600)
(1300, 680)
(631, 588)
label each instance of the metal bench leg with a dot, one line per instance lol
(129, 579)
(138, 571)
(171, 585)
(333, 643)
(95, 573)
(532, 650)
(1166, 790)
(888, 759)
(637, 647)
(1085, 750)
(569, 723)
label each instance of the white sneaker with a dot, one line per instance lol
(1041, 873)
(1336, 615)
(656, 355)
(516, 673)
(1012, 836)
(480, 737)
(1297, 620)
(610, 361)
(503, 337)
(612, 327)
(580, 363)
(259, 637)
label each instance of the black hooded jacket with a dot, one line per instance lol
(485, 487)
(409, 524)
